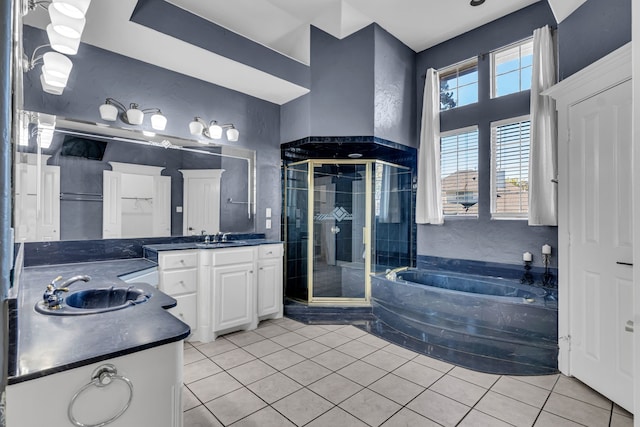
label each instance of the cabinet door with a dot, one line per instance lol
(186, 310)
(269, 286)
(233, 294)
(161, 206)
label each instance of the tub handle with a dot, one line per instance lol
(629, 326)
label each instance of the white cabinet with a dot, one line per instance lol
(233, 284)
(178, 273)
(156, 377)
(270, 281)
(223, 290)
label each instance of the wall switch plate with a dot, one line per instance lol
(179, 209)
(268, 224)
(268, 213)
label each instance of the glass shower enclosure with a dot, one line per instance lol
(344, 219)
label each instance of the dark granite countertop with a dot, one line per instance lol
(48, 344)
(200, 245)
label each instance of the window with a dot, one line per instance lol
(511, 68)
(510, 141)
(459, 85)
(459, 171)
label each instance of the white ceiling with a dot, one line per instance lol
(283, 25)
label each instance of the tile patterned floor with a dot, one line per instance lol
(286, 373)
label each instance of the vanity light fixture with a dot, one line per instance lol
(64, 32)
(46, 127)
(132, 115)
(213, 130)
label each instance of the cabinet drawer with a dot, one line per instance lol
(178, 259)
(186, 310)
(232, 256)
(178, 282)
(270, 251)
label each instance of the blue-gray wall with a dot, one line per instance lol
(98, 74)
(595, 29)
(394, 90)
(482, 238)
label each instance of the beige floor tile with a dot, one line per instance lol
(291, 325)
(439, 408)
(335, 388)
(189, 400)
(190, 355)
(546, 382)
(332, 327)
(524, 392)
(332, 339)
(244, 338)
(311, 331)
(400, 351)
(218, 346)
(577, 410)
(336, 417)
(235, 405)
(506, 409)
(199, 370)
(351, 332)
(267, 417)
(547, 419)
(478, 419)
(271, 331)
(309, 348)
(251, 372)
(370, 407)
(362, 373)
(384, 360)
(200, 417)
(356, 349)
(232, 358)
(289, 339)
(620, 410)
(262, 348)
(407, 418)
(459, 390)
(282, 359)
(397, 389)
(433, 363)
(274, 387)
(302, 406)
(334, 360)
(374, 341)
(214, 386)
(575, 389)
(419, 374)
(618, 420)
(306, 372)
(477, 378)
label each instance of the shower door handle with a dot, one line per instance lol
(629, 326)
(335, 229)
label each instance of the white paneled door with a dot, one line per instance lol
(600, 239)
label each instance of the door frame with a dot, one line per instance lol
(598, 77)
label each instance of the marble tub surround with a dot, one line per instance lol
(487, 324)
(482, 268)
(67, 251)
(47, 344)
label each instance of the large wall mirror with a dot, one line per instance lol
(75, 180)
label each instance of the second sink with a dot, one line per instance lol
(97, 300)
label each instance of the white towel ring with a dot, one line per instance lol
(102, 376)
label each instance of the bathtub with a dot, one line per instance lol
(488, 324)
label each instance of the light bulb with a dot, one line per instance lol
(195, 127)
(72, 8)
(158, 121)
(215, 131)
(135, 116)
(108, 112)
(232, 134)
(63, 44)
(66, 25)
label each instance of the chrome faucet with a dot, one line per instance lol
(52, 295)
(391, 274)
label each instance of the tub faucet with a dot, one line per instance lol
(391, 274)
(52, 295)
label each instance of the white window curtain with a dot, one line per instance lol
(429, 191)
(543, 162)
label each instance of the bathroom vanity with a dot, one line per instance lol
(221, 287)
(92, 367)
